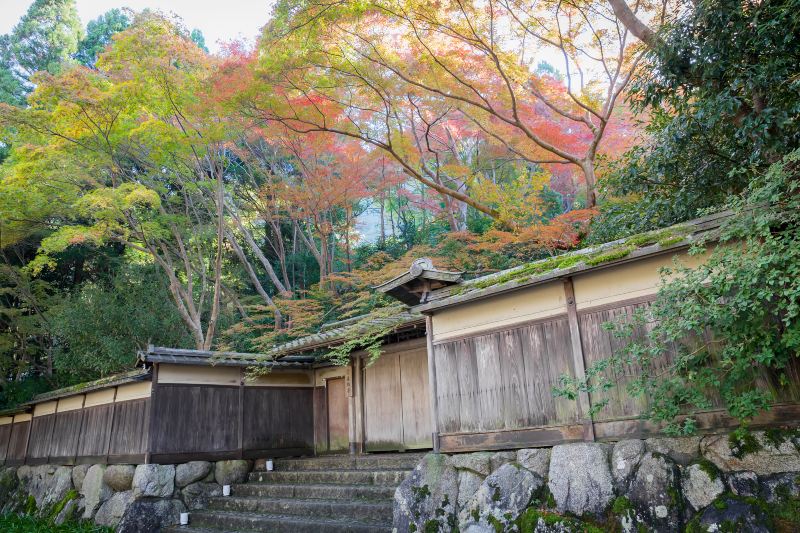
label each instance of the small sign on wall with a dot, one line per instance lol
(348, 386)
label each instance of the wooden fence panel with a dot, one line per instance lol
(448, 389)
(503, 381)
(130, 430)
(490, 382)
(94, 433)
(278, 418)
(320, 419)
(5, 438)
(515, 401)
(195, 419)
(464, 363)
(66, 434)
(17, 443)
(383, 422)
(41, 433)
(416, 399)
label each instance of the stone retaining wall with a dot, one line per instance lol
(711, 483)
(131, 498)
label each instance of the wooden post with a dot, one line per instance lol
(578, 361)
(432, 383)
(150, 418)
(241, 413)
(357, 441)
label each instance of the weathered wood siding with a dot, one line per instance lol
(5, 438)
(397, 402)
(222, 422)
(66, 433)
(495, 390)
(17, 443)
(278, 418)
(95, 430)
(41, 434)
(195, 419)
(320, 419)
(130, 429)
(499, 383)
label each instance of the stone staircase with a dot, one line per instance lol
(329, 494)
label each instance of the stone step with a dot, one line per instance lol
(389, 461)
(367, 512)
(206, 521)
(319, 491)
(315, 477)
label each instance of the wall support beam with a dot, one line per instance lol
(358, 404)
(432, 383)
(578, 360)
(150, 418)
(240, 414)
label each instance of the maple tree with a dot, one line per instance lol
(401, 75)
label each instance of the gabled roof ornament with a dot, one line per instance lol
(413, 287)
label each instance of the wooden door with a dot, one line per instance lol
(396, 402)
(338, 419)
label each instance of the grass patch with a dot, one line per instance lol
(12, 523)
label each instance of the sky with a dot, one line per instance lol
(219, 20)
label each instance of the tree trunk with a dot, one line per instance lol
(629, 19)
(251, 273)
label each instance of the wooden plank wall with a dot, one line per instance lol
(18, 443)
(107, 433)
(192, 421)
(278, 419)
(397, 402)
(130, 429)
(66, 433)
(41, 435)
(494, 390)
(320, 419)
(95, 431)
(496, 384)
(195, 419)
(5, 438)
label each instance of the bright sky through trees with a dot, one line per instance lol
(219, 21)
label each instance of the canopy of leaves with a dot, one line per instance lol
(723, 95)
(98, 34)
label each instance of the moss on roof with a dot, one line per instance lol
(589, 256)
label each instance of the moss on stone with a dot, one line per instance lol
(621, 506)
(709, 468)
(72, 494)
(742, 442)
(675, 499)
(527, 521)
(30, 505)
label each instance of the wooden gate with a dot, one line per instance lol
(338, 417)
(396, 402)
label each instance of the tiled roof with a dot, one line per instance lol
(140, 374)
(296, 353)
(630, 248)
(401, 320)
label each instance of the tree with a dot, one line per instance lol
(721, 110)
(365, 71)
(197, 37)
(98, 34)
(725, 333)
(12, 90)
(45, 38)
